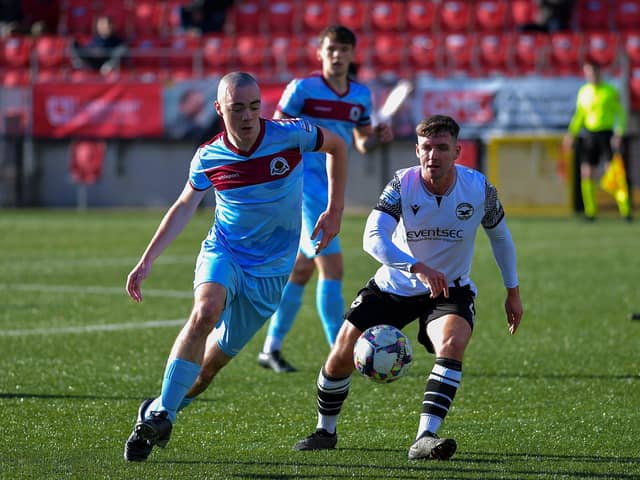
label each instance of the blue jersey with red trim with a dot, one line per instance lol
(258, 194)
(314, 99)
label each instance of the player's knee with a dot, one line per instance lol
(302, 272)
(206, 314)
(452, 347)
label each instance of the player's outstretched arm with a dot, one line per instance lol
(170, 227)
(368, 138)
(329, 221)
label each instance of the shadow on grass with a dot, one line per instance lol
(49, 396)
(465, 466)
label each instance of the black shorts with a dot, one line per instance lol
(373, 307)
(596, 147)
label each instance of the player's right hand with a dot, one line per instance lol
(435, 280)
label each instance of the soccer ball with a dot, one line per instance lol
(382, 354)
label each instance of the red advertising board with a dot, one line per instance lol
(125, 110)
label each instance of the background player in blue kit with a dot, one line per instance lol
(423, 231)
(338, 103)
(255, 167)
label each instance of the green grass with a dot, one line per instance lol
(557, 400)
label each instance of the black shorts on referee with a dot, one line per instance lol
(373, 307)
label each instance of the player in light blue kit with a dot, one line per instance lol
(334, 101)
(255, 167)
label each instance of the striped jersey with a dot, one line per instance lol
(438, 230)
(314, 99)
(258, 194)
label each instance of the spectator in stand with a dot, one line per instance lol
(204, 16)
(552, 16)
(103, 52)
(10, 17)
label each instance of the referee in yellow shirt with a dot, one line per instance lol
(601, 118)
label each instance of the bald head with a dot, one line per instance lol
(232, 81)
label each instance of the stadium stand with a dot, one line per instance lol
(283, 17)
(459, 54)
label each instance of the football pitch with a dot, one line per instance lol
(560, 399)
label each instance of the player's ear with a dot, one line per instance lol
(458, 148)
(216, 105)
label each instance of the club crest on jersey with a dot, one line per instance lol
(279, 166)
(464, 211)
(414, 208)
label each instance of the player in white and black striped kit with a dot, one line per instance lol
(422, 231)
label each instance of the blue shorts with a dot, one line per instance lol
(250, 300)
(311, 211)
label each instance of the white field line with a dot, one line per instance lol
(36, 287)
(110, 327)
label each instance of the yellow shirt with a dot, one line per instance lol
(598, 108)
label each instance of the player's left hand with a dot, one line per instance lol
(329, 225)
(513, 308)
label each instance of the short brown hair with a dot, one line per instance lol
(339, 33)
(437, 124)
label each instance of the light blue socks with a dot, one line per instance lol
(330, 305)
(178, 379)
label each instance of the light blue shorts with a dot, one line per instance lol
(311, 211)
(250, 300)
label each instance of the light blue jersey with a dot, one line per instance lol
(258, 194)
(312, 98)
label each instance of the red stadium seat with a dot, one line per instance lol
(421, 14)
(149, 18)
(245, 17)
(52, 51)
(283, 16)
(353, 14)
(529, 52)
(317, 14)
(566, 53)
(286, 55)
(388, 16)
(51, 75)
(78, 16)
(632, 47)
(425, 53)
(217, 50)
(459, 49)
(455, 16)
(602, 48)
(389, 52)
(523, 11)
(251, 51)
(592, 15)
(16, 51)
(491, 16)
(493, 53)
(626, 15)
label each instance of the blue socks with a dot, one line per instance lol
(282, 320)
(330, 305)
(178, 379)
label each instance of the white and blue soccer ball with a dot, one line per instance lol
(382, 354)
